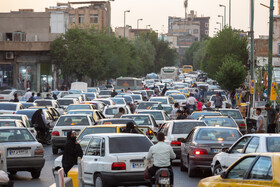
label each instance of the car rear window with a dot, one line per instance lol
(214, 97)
(232, 113)
(5, 92)
(78, 107)
(118, 101)
(105, 92)
(15, 135)
(29, 113)
(9, 106)
(179, 97)
(111, 111)
(136, 97)
(218, 134)
(129, 144)
(221, 122)
(7, 124)
(162, 100)
(10, 117)
(140, 120)
(65, 102)
(73, 121)
(120, 121)
(185, 127)
(96, 130)
(273, 144)
(156, 115)
(81, 112)
(44, 103)
(145, 105)
(196, 115)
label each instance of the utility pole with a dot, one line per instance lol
(124, 26)
(252, 59)
(270, 47)
(229, 22)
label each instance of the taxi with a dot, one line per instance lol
(258, 169)
(95, 114)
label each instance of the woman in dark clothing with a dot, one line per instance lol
(16, 98)
(72, 151)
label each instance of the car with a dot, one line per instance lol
(176, 129)
(219, 121)
(105, 94)
(90, 95)
(80, 107)
(202, 144)
(79, 97)
(159, 115)
(10, 108)
(99, 105)
(119, 101)
(8, 95)
(225, 100)
(163, 100)
(137, 98)
(96, 114)
(165, 107)
(60, 94)
(22, 151)
(51, 103)
(179, 98)
(169, 92)
(105, 101)
(11, 123)
(93, 89)
(28, 104)
(119, 161)
(65, 102)
(145, 105)
(237, 116)
(249, 143)
(70, 122)
(143, 120)
(111, 111)
(115, 121)
(257, 169)
(198, 114)
(52, 111)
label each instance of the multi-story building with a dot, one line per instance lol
(130, 33)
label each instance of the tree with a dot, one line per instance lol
(189, 53)
(231, 74)
(227, 42)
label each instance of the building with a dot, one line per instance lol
(130, 33)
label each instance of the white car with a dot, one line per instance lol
(7, 95)
(143, 120)
(168, 92)
(60, 94)
(250, 143)
(114, 159)
(176, 129)
(110, 111)
(159, 115)
(162, 99)
(51, 103)
(10, 108)
(65, 102)
(65, 123)
(179, 98)
(225, 100)
(105, 94)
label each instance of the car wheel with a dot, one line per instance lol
(54, 150)
(217, 169)
(182, 167)
(36, 173)
(98, 181)
(190, 170)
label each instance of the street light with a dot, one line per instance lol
(229, 23)
(225, 12)
(138, 28)
(148, 26)
(124, 27)
(220, 25)
(220, 16)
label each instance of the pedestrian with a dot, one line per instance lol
(180, 115)
(54, 96)
(15, 98)
(198, 106)
(31, 99)
(120, 113)
(196, 95)
(174, 111)
(187, 113)
(114, 93)
(164, 90)
(130, 128)
(272, 117)
(41, 125)
(28, 94)
(38, 96)
(191, 102)
(218, 101)
(260, 121)
(208, 106)
(48, 96)
(156, 90)
(72, 150)
(128, 90)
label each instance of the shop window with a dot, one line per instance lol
(81, 18)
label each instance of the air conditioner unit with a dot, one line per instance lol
(9, 55)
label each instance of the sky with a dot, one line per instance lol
(156, 12)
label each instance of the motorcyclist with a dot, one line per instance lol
(42, 126)
(161, 153)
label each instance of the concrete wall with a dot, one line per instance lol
(25, 46)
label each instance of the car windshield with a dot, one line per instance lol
(44, 103)
(146, 105)
(185, 127)
(8, 106)
(29, 113)
(260, 104)
(105, 92)
(112, 111)
(223, 122)
(92, 90)
(90, 95)
(65, 102)
(97, 130)
(15, 135)
(217, 134)
(235, 114)
(119, 101)
(170, 92)
(178, 97)
(162, 100)
(136, 97)
(6, 92)
(128, 99)
(78, 107)
(128, 144)
(273, 144)
(7, 124)
(214, 97)
(80, 112)
(73, 121)
(140, 120)
(27, 105)
(196, 115)
(156, 115)
(168, 109)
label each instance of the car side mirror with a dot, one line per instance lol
(182, 140)
(223, 175)
(156, 125)
(225, 149)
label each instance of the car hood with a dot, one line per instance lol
(211, 179)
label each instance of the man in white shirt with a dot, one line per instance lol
(28, 94)
(161, 153)
(191, 100)
(174, 111)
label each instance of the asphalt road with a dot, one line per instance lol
(24, 179)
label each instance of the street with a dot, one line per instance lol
(23, 179)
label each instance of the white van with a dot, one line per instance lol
(79, 86)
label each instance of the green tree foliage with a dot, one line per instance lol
(227, 42)
(231, 74)
(189, 54)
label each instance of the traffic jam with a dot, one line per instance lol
(132, 131)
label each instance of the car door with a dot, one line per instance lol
(91, 159)
(253, 145)
(186, 146)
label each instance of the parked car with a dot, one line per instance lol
(202, 144)
(110, 111)
(22, 151)
(250, 143)
(258, 169)
(10, 108)
(7, 95)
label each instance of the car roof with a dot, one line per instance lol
(114, 106)
(12, 115)
(45, 100)
(187, 121)
(263, 135)
(11, 103)
(115, 135)
(65, 98)
(19, 128)
(160, 97)
(215, 117)
(82, 110)
(107, 125)
(9, 120)
(74, 115)
(214, 127)
(151, 111)
(135, 115)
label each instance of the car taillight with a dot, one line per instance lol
(39, 152)
(175, 143)
(55, 133)
(200, 152)
(14, 112)
(242, 125)
(118, 166)
(164, 173)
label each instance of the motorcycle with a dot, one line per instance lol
(163, 178)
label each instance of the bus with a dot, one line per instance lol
(128, 82)
(187, 69)
(169, 73)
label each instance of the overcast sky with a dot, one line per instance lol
(156, 12)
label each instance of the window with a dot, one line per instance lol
(84, 143)
(262, 169)
(94, 18)
(206, 25)
(72, 18)
(195, 31)
(240, 169)
(94, 147)
(81, 18)
(278, 49)
(128, 144)
(207, 32)
(165, 131)
(273, 144)
(253, 145)
(240, 145)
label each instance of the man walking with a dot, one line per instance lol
(260, 121)
(174, 111)
(218, 101)
(120, 113)
(272, 117)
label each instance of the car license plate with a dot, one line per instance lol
(163, 181)
(18, 153)
(137, 165)
(216, 150)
